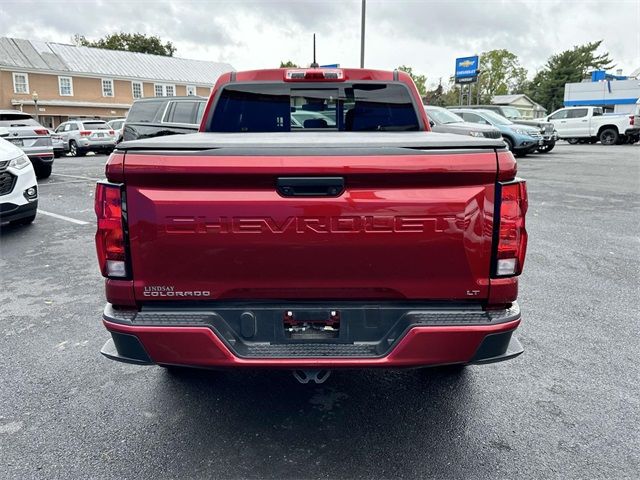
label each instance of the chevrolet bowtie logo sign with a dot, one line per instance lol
(467, 69)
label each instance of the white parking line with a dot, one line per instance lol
(75, 176)
(62, 217)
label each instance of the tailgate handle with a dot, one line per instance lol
(310, 186)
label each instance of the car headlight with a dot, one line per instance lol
(476, 134)
(20, 162)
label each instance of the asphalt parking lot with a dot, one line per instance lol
(569, 407)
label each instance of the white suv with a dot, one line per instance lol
(18, 185)
(82, 136)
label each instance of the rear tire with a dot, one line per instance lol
(573, 141)
(73, 148)
(43, 171)
(609, 136)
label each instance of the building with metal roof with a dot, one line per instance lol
(525, 105)
(70, 81)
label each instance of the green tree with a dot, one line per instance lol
(419, 80)
(288, 64)
(501, 74)
(547, 86)
(130, 42)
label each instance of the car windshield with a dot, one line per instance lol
(269, 107)
(442, 116)
(511, 112)
(95, 126)
(16, 120)
(495, 118)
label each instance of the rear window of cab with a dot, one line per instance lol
(277, 107)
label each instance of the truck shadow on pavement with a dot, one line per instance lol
(374, 423)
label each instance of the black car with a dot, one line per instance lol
(158, 116)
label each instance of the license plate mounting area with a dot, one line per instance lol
(314, 324)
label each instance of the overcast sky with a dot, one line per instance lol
(427, 35)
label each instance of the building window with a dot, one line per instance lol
(191, 90)
(163, 90)
(136, 89)
(20, 83)
(107, 87)
(65, 86)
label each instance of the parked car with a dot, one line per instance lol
(159, 116)
(31, 137)
(589, 124)
(546, 129)
(301, 119)
(375, 243)
(18, 185)
(57, 141)
(446, 121)
(521, 139)
(82, 136)
(118, 126)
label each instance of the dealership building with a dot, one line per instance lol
(615, 93)
(67, 81)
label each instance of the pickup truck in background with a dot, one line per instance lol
(589, 124)
(159, 116)
(349, 236)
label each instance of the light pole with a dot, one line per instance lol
(364, 9)
(35, 103)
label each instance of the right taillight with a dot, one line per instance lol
(110, 242)
(511, 246)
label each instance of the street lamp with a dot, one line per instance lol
(35, 102)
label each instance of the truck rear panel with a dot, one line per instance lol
(413, 219)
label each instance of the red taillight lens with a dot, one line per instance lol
(110, 234)
(632, 120)
(41, 131)
(85, 133)
(512, 235)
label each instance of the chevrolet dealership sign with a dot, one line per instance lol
(467, 69)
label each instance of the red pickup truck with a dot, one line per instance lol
(313, 223)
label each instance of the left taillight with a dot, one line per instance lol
(511, 246)
(110, 209)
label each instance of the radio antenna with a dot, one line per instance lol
(314, 64)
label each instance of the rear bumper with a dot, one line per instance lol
(199, 339)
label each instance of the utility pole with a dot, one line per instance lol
(364, 9)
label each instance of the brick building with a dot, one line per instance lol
(69, 81)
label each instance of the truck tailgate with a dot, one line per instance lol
(411, 223)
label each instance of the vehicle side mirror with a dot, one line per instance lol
(432, 123)
(4, 132)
